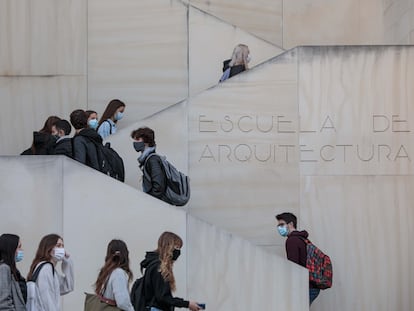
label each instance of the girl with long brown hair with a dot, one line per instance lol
(50, 283)
(159, 281)
(112, 114)
(114, 277)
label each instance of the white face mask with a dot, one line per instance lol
(58, 253)
(249, 58)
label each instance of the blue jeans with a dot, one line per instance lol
(155, 309)
(313, 293)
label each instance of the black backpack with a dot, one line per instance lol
(137, 295)
(138, 299)
(110, 163)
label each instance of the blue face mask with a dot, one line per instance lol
(283, 230)
(119, 116)
(19, 255)
(93, 123)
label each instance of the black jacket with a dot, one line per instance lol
(64, 146)
(42, 144)
(155, 182)
(157, 291)
(234, 70)
(84, 147)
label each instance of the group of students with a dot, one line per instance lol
(111, 286)
(54, 138)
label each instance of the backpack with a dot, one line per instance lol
(138, 300)
(33, 298)
(319, 266)
(110, 163)
(137, 295)
(177, 191)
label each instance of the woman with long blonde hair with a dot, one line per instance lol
(159, 280)
(238, 63)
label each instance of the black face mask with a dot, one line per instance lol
(176, 254)
(139, 146)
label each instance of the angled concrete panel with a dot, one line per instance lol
(137, 52)
(241, 161)
(45, 37)
(211, 41)
(262, 18)
(242, 273)
(29, 101)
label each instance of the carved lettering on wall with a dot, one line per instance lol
(272, 127)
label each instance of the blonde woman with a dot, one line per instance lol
(159, 281)
(238, 63)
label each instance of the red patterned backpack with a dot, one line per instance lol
(319, 266)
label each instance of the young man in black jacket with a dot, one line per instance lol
(85, 140)
(155, 181)
(61, 129)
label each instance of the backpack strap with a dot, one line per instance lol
(110, 126)
(37, 270)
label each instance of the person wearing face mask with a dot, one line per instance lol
(92, 119)
(238, 63)
(295, 245)
(144, 142)
(13, 291)
(112, 114)
(50, 283)
(61, 130)
(159, 281)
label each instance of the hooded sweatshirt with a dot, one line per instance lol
(157, 291)
(84, 147)
(296, 247)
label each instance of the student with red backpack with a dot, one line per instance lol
(301, 251)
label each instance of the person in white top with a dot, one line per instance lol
(115, 276)
(50, 283)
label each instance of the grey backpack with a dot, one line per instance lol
(177, 190)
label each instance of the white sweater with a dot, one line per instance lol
(117, 289)
(51, 286)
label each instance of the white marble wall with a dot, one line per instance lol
(332, 22)
(263, 18)
(49, 194)
(29, 100)
(399, 21)
(365, 224)
(137, 52)
(356, 167)
(89, 209)
(42, 66)
(242, 170)
(211, 41)
(228, 273)
(356, 109)
(41, 38)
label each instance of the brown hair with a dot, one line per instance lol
(47, 127)
(43, 253)
(117, 256)
(110, 110)
(146, 134)
(166, 244)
